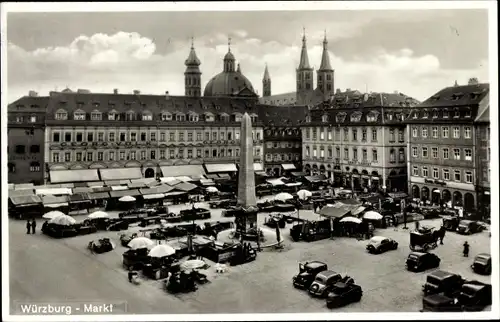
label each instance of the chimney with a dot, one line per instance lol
(167, 95)
(456, 83)
(137, 92)
(473, 81)
(115, 91)
(32, 94)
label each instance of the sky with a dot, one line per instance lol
(416, 52)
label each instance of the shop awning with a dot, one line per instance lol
(397, 195)
(156, 190)
(288, 166)
(98, 195)
(275, 182)
(123, 193)
(257, 167)
(175, 193)
(101, 189)
(119, 188)
(207, 182)
(54, 191)
(49, 200)
(23, 186)
(298, 174)
(212, 176)
(226, 167)
(224, 176)
(117, 182)
(358, 210)
(56, 205)
(349, 202)
(82, 189)
(134, 185)
(183, 170)
(120, 173)
(25, 200)
(95, 184)
(336, 210)
(79, 197)
(185, 186)
(84, 175)
(67, 185)
(154, 196)
(18, 193)
(293, 184)
(317, 178)
(261, 173)
(173, 182)
(184, 178)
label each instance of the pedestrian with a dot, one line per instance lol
(443, 232)
(28, 226)
(466, 249)
(33, 226)
(130, 274)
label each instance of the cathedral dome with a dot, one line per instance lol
(227, 83)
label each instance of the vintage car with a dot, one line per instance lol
(116, 224)
(84, 229)
(274, 220)
(379, 244)
(59, 231)
(482, 264)
(311, 230)
(194, 214)
(451, 222)
(343, 294)
(475, 296)
(440, 303)
(468, 227)
(223, 203)
(323, 283)
(242, 254)
(419, 261)
(443, 282)
(103, 245)
(125, 239)
(307, 274)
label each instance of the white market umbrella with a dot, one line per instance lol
(53, 214)
(283, 196)
(304, 194)
(98, 214)
(141, 242)
(212, 189)
(127, 199)
(63, 220)
(160, 251)
(351, 219)
(373, 215)
(192, 264)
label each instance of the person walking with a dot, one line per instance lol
(33, 226)
(466, 249)
(28, 227)
(443, 232)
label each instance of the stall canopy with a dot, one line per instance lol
(25, 200)
(226, 167)
(23, 186)
(357, 211)
(120, 174)
(82, 189)
(293, 184)
(154, 196)
(54, 201)
(398, 195)
(350, 202)
(95, 184)
(224, 176)
(257, 167)
(101, 189)
(207, 182)
(79, 197)
(84, 175)
(119, 188)
(136, 184)
(54, 191)
(288, 166)
(298, 174)
(184, 178)
(336, 210)
(156, 190)
(117, 182)
(194, 171)
(98, 195)
(185, 186)
(18, 193)
(317, 178)
(275, 182)
(212, 176)
(123, 193)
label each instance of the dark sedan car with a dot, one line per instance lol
(482, 264)
(443, 282)
(379, 244)
(343, 294)
(307, 273)
(419, 262)
(323, 283)
(468, 227)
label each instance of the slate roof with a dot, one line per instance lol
(279, 116)
(452, 96)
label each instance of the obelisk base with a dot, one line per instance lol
(246, 224)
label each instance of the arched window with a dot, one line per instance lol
(401, 155)
(35, 166)
(96, 115)
(209, 117)
(61, 114)
(147, 116)
(79, 115)
(166, 116)
(308, 119)
(324, 118)
(130, 116)
(193, 117)
(392, 156)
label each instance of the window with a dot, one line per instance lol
(330, 153)
(35, 149)
(374, 155)
(61, 115)
(456, 154)
(90, 156)
(143, 155)
(435, 132)
(322, 135)
(456, 132)
(198, 136)
(401, 134)
(130, 116)
(392, 156)
(308, 151)
(143, 136)
(90, 137)
(322, 153)
(166, 117)
(153, 154)
(414, 152)
(198, 153)
(401, 155)
(354, 134)
(96, 116)
(415, 171)
(468, 154)
(111, 156)
(392, 135)
(193, 118)
(111, 137)
(467, 132)
(456, 114)
(100, 136)
(55, 157)
(308, 134)
(133, 136)
(365, 155)
(435, 173)
(56, 137)
(20, 119)
(214, 136)
(445, 131)
(123, 137)
(34, 166)
(122, 155)
(189, 152)
(355, 153)
(20, 149)
(446, 114)
(133, 155)
(414, 131)
(172, 154)
(237, 117)
(79, 116)
(162, 154)
(374, 135)
(152, 136)
(315, 153)
(324, 118)
(79, 156)
(190, 136)
(346, 154)
(446, 153)
(424, 131)
(457, 175)
(67, 156)
(435, 153)
(112, 116)
(425, 152)
(67, 137)
(446, 174)
(163, 137)
(181, 136)
(100, 156)
(425, 172)
(180, 117)
(337, 152)
(147, 117)
(172, 136)
(468, 176)
(426, 115)
(346, 134)
(330, 134)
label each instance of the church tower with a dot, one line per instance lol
(266, 83)
(304, 74)
(325, 73)
(192, 75)
(229, 60)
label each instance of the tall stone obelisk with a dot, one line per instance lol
(247, 201)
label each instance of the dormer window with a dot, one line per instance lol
(166, 116)
(435, 114)
(224, 117)
(61, 115)
(324, 118)
(456, 114)
(237, 117)
(96, 116)
(130, 116)
(112, 115)
(147, 116)
(356, 117)
(308, 119)
(468, 113)
(372, 117)
(341, 117)
(426, 115)
(415, 115)
(180, 117)
(79, 115)
(254, 118)
(32, 119)
(446, 114)
(389, 116)
(209, 117)
(193, 117)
